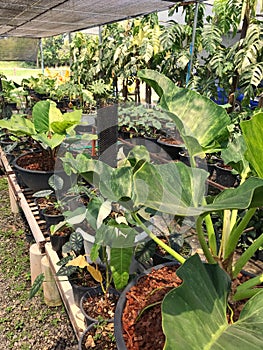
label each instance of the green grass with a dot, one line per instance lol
(20, 316)
(17, 71)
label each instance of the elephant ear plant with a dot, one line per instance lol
(114, 235)
(49, 127)
(200, 320)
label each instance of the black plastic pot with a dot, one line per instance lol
(42, 203)
(92, 292)
(33, 179)
(51, 219)
(79, 291)
(224, 176)
(164, 259)
(57, 242)
(172, 150)
(37, 180)
(118, 332)
(151, 144)
(89, 330)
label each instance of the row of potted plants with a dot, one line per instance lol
(143, 190)
(125, 202)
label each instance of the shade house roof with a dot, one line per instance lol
(42, 18)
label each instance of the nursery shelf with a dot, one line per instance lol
(22, 198)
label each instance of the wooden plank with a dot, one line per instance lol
(21, 200)
(18, 199)
(13, 200)
(5, 163)
(65, 289)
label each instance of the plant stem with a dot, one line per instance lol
(210, 232)
(105, 261)
(250, 251)
(202, 241)
(146, 308)
(225, 233)
(166, 247)
(246, 290)
(237, 232)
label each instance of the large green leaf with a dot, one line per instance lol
(194, 314)
(249, 194)
(50, 141)
(120, 261)
(172, 188)
(202, 119)
(66, 122)
(48, 118)
(252, 131)
(116, 237)
(177, 189)
(41, 115)
(162, 85)
(234, 155)
(18, 125)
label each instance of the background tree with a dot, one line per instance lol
(84, 52)
(239, 65)
(51, 47)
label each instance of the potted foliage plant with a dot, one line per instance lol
(98, 336)
(59, 235)
(75, 267)
(49, 128)
(174, 188)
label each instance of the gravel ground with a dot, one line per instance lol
(25, 324)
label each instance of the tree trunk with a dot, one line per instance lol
(148, 94)
(235, 80)
(124, 90)
(137, 91)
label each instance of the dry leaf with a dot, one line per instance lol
(89, 343)
(95, 273)
(79, 261)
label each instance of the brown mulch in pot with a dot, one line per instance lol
(145, 331)
(36, 161)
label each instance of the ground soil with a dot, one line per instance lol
(25, 324)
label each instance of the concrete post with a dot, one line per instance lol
(35, 261)
(51, 293)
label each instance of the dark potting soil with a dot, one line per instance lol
(171, 140)
(36, 161)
